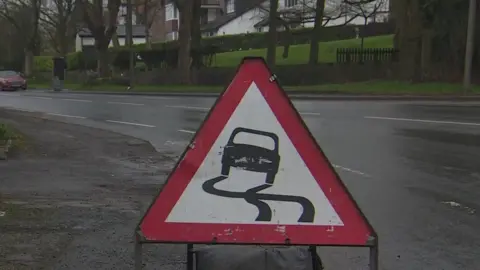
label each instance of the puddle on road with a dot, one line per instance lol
(456, 205)
(443, 199)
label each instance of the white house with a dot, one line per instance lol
(256, 18)
(85, 38)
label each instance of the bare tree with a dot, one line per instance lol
(150, 9)
(185, 9)
(264, 12)
(24, 16)
(102, 23)
(366, 9)
(272, 33)
(319, 12)
(12, 56)
(316, 31)
(59, 24)
(196, 34)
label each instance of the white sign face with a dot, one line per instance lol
(265, 181)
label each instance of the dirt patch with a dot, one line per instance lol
(71, 197)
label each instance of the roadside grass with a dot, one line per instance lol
(7, 132)
(370, 87)
(298, 54)
(12, 212)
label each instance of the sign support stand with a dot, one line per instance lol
(316, 265)
(138, 252)
(374, 257)
(190, 262)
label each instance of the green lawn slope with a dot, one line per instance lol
(298, 54)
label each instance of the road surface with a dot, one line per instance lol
(413, 167)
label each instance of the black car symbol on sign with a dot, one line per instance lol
(250, 157)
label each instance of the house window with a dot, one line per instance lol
(210, 34)
(172, 36)
(291, 3)
(259, 29)
(171, 12)
(230, 6)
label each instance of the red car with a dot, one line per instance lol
(11, 81)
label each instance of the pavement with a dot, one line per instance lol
(412, 166)
(71, 196)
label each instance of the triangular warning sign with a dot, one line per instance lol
(253, 174)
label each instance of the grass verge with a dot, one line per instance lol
(298, 54)
(9, 133)
(6, 132)
(370, 87)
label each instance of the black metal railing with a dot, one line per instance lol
(358, 55)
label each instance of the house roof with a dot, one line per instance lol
(220, 21)
(138, 31)
(265, 21)
(223, 20)
(262, 23)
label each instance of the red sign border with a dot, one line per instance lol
(357, 231)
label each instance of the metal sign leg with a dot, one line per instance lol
(374, 257)
(138, 254)
(189, 257)
(316, 260)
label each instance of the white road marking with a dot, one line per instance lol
(121, 96)
(186, 131)
(125, 103)
(66, 115)
(150, 97)
(76, 100)
(334, 165)
(423, 121)
(206, 109)
(130, 123)
(310, 113)
(188, 107)
(350, 170)
(39, 97)
(10, 95)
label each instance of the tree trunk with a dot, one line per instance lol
(148, 23)
(148, 40)
(395, 8)
(196, 35)
(287, 40)
(409, 21)
(426, 54)
(103, 68)
(184, 41)
(32, 43)
(363, 33)
(272, 33)
(316, 32)
(115, 41)
(62, 39)
(28, 67)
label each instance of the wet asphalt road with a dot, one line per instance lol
(413, 167)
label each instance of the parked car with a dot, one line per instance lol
(11, 81)
(251, 157)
